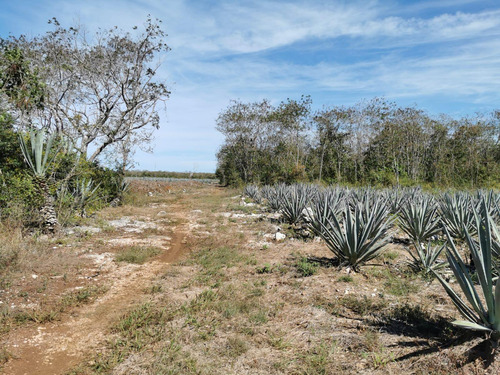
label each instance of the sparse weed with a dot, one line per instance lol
(400, 285)
(362, 305)
(305, 267)
(235, 347)
(345, 279)
(137, 254)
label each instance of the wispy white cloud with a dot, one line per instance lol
(225, 50)
(233, 28)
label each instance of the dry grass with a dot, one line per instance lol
(242, 303)
(239, 307)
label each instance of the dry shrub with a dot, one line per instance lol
(13, 247)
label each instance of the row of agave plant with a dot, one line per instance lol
(354, 224)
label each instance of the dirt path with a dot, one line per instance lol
(55, 348)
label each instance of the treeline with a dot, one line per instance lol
(374, 142)
(166, 174)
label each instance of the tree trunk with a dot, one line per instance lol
(50, 224)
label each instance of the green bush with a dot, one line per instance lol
(19, 199)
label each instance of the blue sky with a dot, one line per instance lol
(442, 56)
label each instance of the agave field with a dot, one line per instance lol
(452, 236)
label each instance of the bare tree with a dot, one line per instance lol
(99, 89)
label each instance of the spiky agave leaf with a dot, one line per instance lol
(294, 202)
(253, 192)
(359, 236)
(456, 211)
(275, 196)
(38, 159)
(84, 192)
(480, 316)
(419, 220)
(395, 198)
(425, 257)
(327, 203)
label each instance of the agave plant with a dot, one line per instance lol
(40, 158)
(395, 198)
(252, 191)
(366, 201)
(293, 203)
(324, 207)
(419, 220)
(84, 193)
(425, 257)
(479, 315)
(360, 235)
(274, 196)
(456, 212)
(492, 202)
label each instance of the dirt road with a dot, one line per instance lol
(54, 348)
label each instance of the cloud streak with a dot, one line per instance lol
(443, 55)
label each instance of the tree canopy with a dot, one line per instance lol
(99, 90)
(373, 142)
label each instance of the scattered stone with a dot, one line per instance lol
(161, 214)
(127, 224)
(307, 214)
(115, 202)
(279, 236)
(274, 216)
(81, 229)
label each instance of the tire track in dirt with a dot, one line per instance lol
(56, 348)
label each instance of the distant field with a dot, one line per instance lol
(177, 175)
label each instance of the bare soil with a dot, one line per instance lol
(55, 347)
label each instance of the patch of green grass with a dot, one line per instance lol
(305, 267)
(137, 329)
(380, 358)
(214, 261)
(51, 313)
(243, 209)
(266, 268)
(172, 360)
(82, 296)
(4, 356)
(256, 292)
(261, 316)
(235, 347)
(391, 255)
(318, 360)
(39, 316)
(400, 285)
(270, 268)
(277, 340)
(137, 254)
(345, 279)
(374, 350)
(157, 288)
